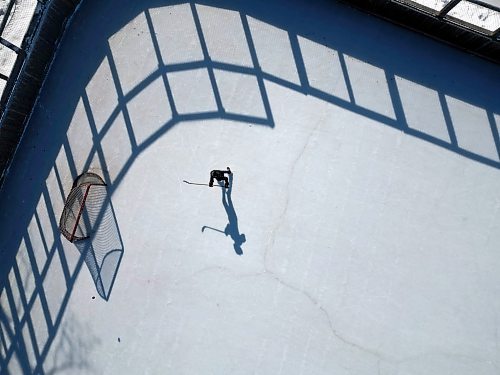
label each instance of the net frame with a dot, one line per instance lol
(72, 222)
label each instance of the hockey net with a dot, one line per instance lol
(82, 207)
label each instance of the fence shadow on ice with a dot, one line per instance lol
(329, 58)
(38, 286)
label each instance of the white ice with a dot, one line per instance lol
(365, 197)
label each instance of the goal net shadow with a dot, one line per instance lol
(89, 221)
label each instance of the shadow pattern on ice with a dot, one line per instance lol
(206, 63)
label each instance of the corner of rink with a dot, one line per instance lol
(359, 231)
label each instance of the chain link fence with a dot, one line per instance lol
(30, 31)
(471, 25)
(479, 16)
(15, 19)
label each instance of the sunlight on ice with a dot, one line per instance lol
(472, 127)
(423, 109)
(224, 35)
(274, 51)
(176, 33)
(323, 67)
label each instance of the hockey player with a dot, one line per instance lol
(219, 176)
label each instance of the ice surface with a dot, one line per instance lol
(366, 179)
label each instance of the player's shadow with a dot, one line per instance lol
(232, 226)
(231, 229)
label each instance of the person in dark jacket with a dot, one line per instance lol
(219, 176)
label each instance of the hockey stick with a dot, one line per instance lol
(196, 183)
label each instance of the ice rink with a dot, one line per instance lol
(361, 232)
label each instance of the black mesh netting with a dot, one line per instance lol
(99, 240)
(103, 250)
(79, 213)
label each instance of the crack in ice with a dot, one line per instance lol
(282, 216)
(328, 318)
(304, 293)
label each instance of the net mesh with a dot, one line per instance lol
(103, 252)
(82, 207)
(88, 214)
